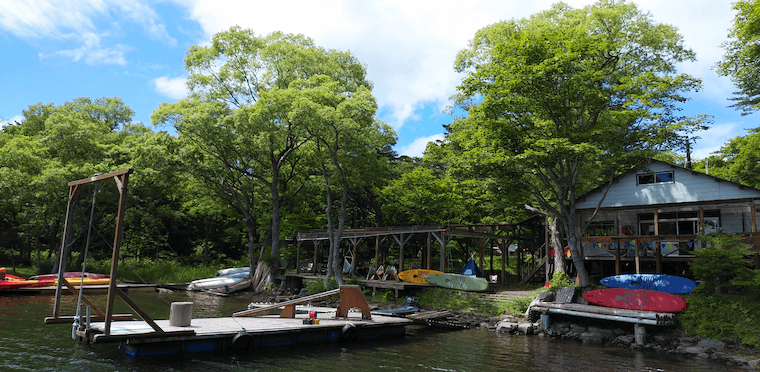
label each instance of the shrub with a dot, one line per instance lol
(739, 318)
(722, 266)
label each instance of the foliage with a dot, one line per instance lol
(442, 298)
(739, 318)
(742, 54)
(722, 266)
(560, 280)
(519, 305)
(560, 102)
(738, 160)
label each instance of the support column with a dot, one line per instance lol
(640, 334)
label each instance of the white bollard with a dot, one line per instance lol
(180, 314)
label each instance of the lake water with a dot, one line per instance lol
(26, 344)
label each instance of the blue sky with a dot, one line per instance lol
(55, 51)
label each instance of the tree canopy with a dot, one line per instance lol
(561, 101)
(742, 54)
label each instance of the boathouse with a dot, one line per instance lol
(651, 216)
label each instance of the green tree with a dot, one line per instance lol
(245, 114)
(564, 100)
(742, 53)
(738, 160)
(348, 140)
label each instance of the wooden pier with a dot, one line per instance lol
(243, 333)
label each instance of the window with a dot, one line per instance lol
(659, 177)
(678, 223)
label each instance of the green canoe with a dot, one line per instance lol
(458, 281)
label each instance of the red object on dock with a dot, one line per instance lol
(636, 299)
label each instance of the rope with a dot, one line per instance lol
(84, 261)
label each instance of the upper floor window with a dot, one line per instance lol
(659, 177)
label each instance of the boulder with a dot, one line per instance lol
(711, 344)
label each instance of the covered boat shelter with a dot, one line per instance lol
(527, 236)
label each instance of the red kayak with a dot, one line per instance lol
(68, 275)
(636, 299)
(12, 284)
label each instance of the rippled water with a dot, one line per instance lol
(26, 344)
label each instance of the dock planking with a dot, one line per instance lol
(207, 334)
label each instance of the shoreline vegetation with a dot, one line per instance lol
(733, 337)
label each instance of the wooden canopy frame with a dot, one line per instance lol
(121, 178)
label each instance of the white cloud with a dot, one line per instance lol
(173, 88)
(409, 46)
(75, 22)
(418, 146)
(12, 120)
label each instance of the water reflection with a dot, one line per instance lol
(29, 345)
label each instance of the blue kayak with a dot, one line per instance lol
(651, 282)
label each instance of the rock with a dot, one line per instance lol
(506, 327)
(703, 355)
(755, 363)
(618, 332)
(718, 355)
(625, 340)
(590, 337)
(711, 344)
(526, 328)
(577, 329)
(692, 350)
(605, 333)
(688, 340)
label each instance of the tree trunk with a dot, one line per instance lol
(559, 259)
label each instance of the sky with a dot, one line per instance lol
(56, 51)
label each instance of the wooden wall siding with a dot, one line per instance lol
(688, 186)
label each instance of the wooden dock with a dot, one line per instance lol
(243, 333)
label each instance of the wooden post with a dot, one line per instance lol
(377, 252)
(658, 258)
(181, 314)
(298, 257)
(636, 258)
(428, 252)
(121, 184)
(316, 249)
(640, 334)
(443, 252)
(617, 258)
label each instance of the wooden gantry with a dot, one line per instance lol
(121, 179)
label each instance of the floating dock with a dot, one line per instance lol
(243, 333)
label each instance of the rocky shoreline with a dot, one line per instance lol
(669, 339)
(587, 331)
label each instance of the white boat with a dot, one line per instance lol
(236, 287)
(213, 283)
(233, 271)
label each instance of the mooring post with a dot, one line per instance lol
(545, 321)
(640, 334)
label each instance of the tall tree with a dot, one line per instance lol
(563, 100)
(740, 62)
(348, 141)
(256, 80)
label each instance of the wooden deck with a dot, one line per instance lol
(205, 334)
